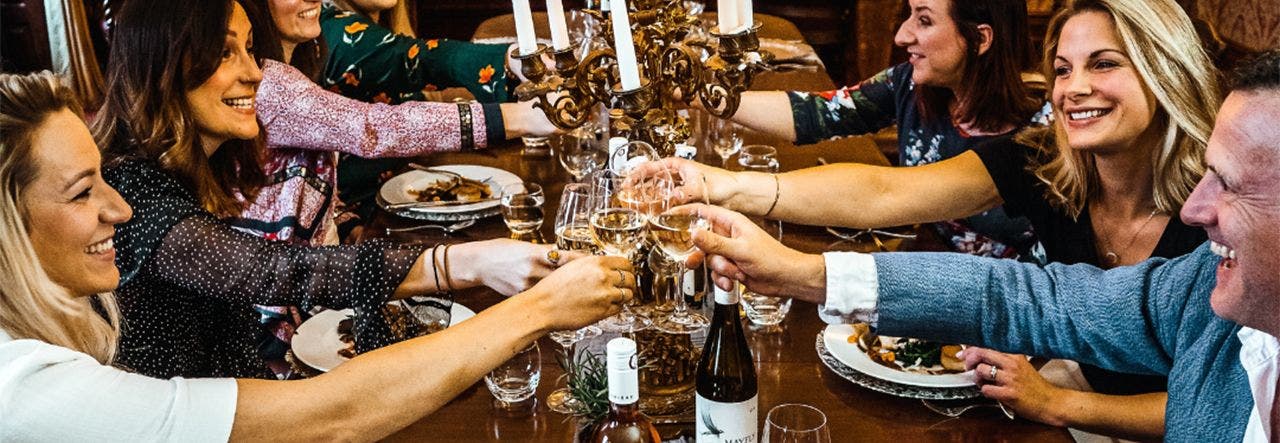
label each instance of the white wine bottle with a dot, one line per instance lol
(726, 405)
(625, 423)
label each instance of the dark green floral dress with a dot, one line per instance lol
(371, 63)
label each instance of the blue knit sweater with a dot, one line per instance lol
(1150, 318)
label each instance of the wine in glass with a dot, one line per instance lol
(618, 231)
(573, 233)
(673, 232)
(522, 209)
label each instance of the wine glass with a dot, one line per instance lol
(650, 194)
(630, 155)
(673, 232)
(796, 423)
(522, 209)
(725, 140)
(618, 231)
(582, 150)
(573, 233)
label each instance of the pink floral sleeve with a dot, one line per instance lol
(297, 113)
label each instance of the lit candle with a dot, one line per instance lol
(745, 19)
(622, 43)
(727, 11)
(559, 32)
(527, 40)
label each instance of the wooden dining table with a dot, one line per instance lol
(787, 365)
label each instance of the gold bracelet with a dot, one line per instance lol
(777, 192)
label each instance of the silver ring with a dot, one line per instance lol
(622, 296)
(992, 374)
(553, 257)
(621, 276)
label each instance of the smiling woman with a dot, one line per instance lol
(58, 339)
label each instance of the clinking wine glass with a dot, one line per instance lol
(673, 233)
(582, 150)
(618, 230)
(573, 233)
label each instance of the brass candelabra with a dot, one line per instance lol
(672, 69)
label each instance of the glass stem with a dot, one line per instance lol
(680, 311)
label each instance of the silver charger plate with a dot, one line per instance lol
(888, 387)
(396, 190)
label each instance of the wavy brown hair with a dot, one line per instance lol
(995, 96)
(1161, 41)
(31, 305)
(160, 50)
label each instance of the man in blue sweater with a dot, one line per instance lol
(1156, 317)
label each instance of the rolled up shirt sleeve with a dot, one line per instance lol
(852, 288)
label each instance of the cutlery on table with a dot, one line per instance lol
(448, 229)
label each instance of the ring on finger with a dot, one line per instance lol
(553, 257)
(992, 373)
(622, 278)
(622, 296)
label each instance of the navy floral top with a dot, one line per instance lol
(889, 98)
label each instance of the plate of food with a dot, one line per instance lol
(326, 339)
(905, 361)
(446, 193)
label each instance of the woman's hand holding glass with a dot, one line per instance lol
(695, 182)
(584, 291)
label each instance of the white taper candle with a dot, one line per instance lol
(624, 47)
(526, 39)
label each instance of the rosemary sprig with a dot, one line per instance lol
(589, 384)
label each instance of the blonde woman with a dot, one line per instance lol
(1133, 97)
(57, 382)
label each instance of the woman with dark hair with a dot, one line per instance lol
(1133, 97)
(181, 140)
(306, 124)
(963, 85)
(61, 380)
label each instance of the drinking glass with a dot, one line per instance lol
(573, 219)
(522, 209)
(573, 233)
(724, 137)
(796, 423)
(626, 158)
(673, 233)
(618, 231)
(765, 310)
(582, 150)
(516, 380)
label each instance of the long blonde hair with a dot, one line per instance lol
(1162, 43)
(31, 305)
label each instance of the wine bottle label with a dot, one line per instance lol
(724, 297)
(719, 422)
(690, 285)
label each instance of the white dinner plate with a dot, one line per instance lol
(836, 339)
(397, 190)
(316, 342)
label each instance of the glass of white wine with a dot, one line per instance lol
(573, 233)
(618, 230)
(522, 209)
(673, 233)
(796, 423)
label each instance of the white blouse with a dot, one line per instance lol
(50, 393)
